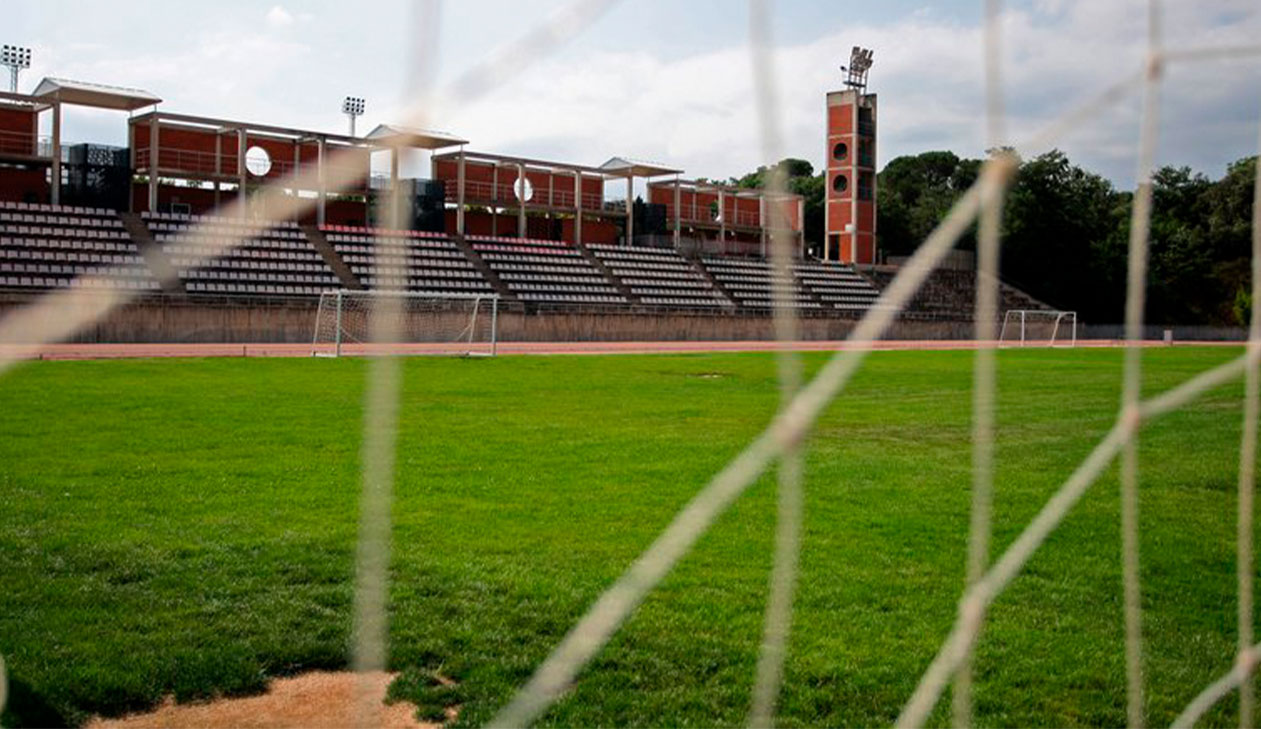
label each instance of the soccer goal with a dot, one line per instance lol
(1039, 328)
(420, 323)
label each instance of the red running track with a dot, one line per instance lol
(114, 351)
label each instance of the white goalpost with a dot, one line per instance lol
(425, 323)
(1039, 327)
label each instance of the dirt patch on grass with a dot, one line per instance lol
(319, 700)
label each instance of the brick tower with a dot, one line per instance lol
(850, 213)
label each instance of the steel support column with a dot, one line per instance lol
(762, 219)
(396, 196)
(55, 195)
(322, 182)
(722, 221)
(459, 193)
(240, 170)
(630, 210)
(519, 189)
(678, 213)
(154, 126)
(578, 208)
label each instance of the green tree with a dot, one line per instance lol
(913, 195)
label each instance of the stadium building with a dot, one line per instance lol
(568, 248)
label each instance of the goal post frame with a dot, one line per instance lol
(1060, 317)
(468, 333)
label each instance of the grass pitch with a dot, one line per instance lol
(188, 526)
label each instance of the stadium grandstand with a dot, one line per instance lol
(547, 238)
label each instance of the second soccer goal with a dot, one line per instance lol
(1039, 328)
(406, 323)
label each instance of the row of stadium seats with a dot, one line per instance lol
(545, 271)
(265, 260)
(46, 246)
(749, 282)
(406, 260)
(43, 246)
(836, 285)
(659, 276)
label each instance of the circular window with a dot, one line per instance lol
(523, 189)
(840, 151)
(840, 183)
(257, 161)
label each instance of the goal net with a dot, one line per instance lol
(1039, 328)
(423, 323)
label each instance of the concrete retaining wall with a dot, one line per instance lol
(188, 319)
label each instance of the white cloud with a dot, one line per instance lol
(699, 112)
(278, 17)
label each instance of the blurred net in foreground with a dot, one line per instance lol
(58, 315)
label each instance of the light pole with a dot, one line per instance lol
(352, 107)
(16, 58)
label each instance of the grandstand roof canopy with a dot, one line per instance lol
(396, 136)
(166, 118)
(22, 100)
(636, 168)
(503, 159)
(706, 186)
(100, 96)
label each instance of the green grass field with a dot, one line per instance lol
(188, 526)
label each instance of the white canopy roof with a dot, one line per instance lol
(101, 96)
(396, 136)
(638, 168)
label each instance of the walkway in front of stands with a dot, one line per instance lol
(114, 351)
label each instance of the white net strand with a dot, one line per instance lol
(789, 512)
(1136, 288)
(370, 629)
(985, 362)
(1248, 463)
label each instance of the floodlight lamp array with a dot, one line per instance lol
(15, 56)
(859, 63)
(353, 105)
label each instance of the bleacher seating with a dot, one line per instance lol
(61, 246)
(545, 271)
(269, 261)
(837, 285)
(406, 260)
(949, 294)
(749, 283)
(659, 276)
(49, 247)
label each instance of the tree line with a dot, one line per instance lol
(1066, 231)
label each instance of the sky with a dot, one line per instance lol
(662, 80)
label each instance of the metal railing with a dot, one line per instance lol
(488, 193)
(175, 160)
(24, 143)
(704, 215)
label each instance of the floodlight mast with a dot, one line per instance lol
(859, 65)
(15, 58)
(353, 106)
